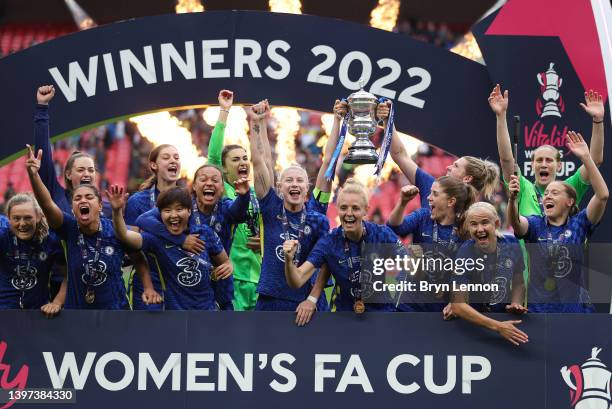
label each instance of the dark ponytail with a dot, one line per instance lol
(464, 194)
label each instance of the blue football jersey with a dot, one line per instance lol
(557, 282)
(185, 276)
(105, 276)
(331, 250)
(24, 269)
(499, 268)
(272, 280)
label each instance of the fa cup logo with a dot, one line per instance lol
(550, 82)
(592, 387)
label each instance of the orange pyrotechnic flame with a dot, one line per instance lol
(236, 128)
(188, 6)
(384, 16)
(468, 47)
(286, 121)
(286, 6)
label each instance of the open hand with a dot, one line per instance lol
(304, 312)
(593, 105)
(193, 244)
(577, 145)
(223, 271)
(498, 102)
(116, 196)
(508, 330)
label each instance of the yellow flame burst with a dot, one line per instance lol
(286, 6)
(160, 128)
(286, 121)
(468, 47)
(188, 6)
(384, 15)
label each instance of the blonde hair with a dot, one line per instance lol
(293, 165)
(352, 185)
(486, 207)
(42, 227)
(484, 173)
(555, 150)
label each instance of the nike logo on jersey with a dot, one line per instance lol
(169, 246)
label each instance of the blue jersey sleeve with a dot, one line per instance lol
(149, 242)
(56, 250)
(317, 254)
(533, 229)
(517, 255)
(223, 289)
(4, 221)
(409, 225)
(465, 252)
(151, 223)
(69, 223)
(4, 238)
(423, 181)
(238, 210)
(315, 205)
(47, 169)
(584, 226)
(132, 211)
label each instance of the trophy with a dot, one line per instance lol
(362, 125)
(550, 83)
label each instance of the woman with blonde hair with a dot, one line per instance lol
(28, 253)
(342, 251)
(496, 260)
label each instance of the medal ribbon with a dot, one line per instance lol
(85, 256)
(355, 272)
(18, 256)
(386, 144)
(287, 226)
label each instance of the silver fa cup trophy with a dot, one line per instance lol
(362, 125)
(551, 82)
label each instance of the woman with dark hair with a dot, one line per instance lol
(245, 251)
(28, 251)
(165, 166)
(437, 228)
(555, 241)
(187, 277)
(210, 208)
(80, 170)
(94, 255)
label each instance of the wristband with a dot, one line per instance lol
(322, 197)
(596, 122)
(312, 299)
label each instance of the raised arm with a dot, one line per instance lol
(42, 139)
(499, 105)
(340, 109)
(597, 204)
(520, 225)
(263, 180)
(296, 276)
(408, 192)
(239, 209)
(595, 108)
(215, 146)
(117, 198)
(52, 212)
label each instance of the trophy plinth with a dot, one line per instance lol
(362, 125)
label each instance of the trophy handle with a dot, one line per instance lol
(539, 77)
(576, 390)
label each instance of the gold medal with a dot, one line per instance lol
(550, 284)
(359, 307)
(90, 296)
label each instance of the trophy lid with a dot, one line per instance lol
(362, 95)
